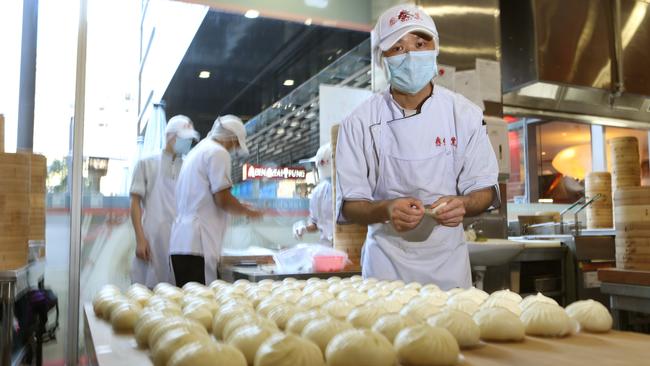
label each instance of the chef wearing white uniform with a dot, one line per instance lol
(321, 216)
(204, 201)
(414, 146)
(153, 203)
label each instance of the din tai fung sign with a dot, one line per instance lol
(252, 171)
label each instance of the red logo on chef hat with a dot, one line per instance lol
(404, 16)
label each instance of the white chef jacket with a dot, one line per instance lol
(200, 224)
(321, 211)
(383, 154)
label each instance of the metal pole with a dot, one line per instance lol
(72, 338)
(25, 141)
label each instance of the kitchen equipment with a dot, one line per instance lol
(626, 167)
(632, 215)
(600, 213)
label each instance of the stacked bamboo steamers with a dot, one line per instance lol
(631, 206)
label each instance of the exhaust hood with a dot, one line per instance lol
(583, 57)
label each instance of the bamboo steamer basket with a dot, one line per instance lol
(626, 165)
(347, 238)
(37, 197)
(599, 213)
(14, 210)
(632, 213)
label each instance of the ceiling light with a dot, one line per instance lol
(308, 21)
(204, 74)
(288, 82)
(543, 153)
(252, 14)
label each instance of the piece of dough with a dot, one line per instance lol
(506, 294)
(265, 307)
(378, 293)
(315, 300)
(389, 325)
(147, 321)
(281, 314)
(298, 321)
(474, 294)
(360, 347)
(354, 297)
(249, 338)
(419, 311)
(124, 317)
(288, 350)
(224, 316)
(430, 288)
(337, 308)
(592, 316)
(499, 324)
(437, 299)
(101, 301)
(365, 316)
(460, 325)
(170, 342)
(321, 331)
(502, 302)
(168, 324)
(199, 312)
(231, 326)
(539, 297)
(464, 304)
(546, 320)
(425, 345)
(207, 353)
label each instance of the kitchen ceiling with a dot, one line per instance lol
(250, 62)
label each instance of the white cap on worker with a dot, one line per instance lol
(230, 126)
(399, 20)
(182, 127)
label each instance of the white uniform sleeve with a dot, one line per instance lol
(218, 170)
(352, 169)
(139, 180)
(480, 168)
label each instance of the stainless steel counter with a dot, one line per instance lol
(13, 284)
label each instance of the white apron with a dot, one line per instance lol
(412, 164)
(159, 213)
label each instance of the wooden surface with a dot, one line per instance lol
(37, 197)
(624, 276)
(2, 133)
(612, 349)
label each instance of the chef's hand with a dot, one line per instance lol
(142, 250)
(299, 229)
(452, 213)
(405, 213)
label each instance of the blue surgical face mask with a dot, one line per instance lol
(182, 146)
(412, 71)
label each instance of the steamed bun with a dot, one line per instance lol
(321, 331)
(249, 338)
(460, 325)
(360, 347)
(288, 350)
(547, 320)
(426, 345)
(389, 325)
(592, 315)
(499, 324)
(207, 353)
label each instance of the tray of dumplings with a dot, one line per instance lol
(348, 322)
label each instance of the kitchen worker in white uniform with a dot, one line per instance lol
(204, 201)
(153, 203)
(321, 217)
(416, 145)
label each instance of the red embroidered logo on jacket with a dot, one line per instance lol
(404, 16)
(438, 141)
(454, 142)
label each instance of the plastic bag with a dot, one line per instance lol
(309, 258)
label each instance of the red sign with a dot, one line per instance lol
(251, 171)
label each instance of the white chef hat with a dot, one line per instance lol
(181, 126)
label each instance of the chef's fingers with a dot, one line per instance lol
(455, 214)
(406, 216)
(453, 205)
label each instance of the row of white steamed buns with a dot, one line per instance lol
(335, 322)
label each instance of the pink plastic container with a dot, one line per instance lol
(329, 263)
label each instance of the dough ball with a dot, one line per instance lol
(360, 347)
(430, 288)
(109, 289)
(389, 306)
(124, 316)
(265, 307)
(474, 294)
(101, 301)
(337, 288)
(502, 302)
(281, 314)
(333, 279)
(365, 316)
(171, 341)
(315, 286)
(116, 302)
(339, 309)
(539, 297)
(356, 278)
(406, 295)
(354, 297)
(506, 294)
(460, 325)
(546, 320)
(199, 312)
(288, 350)
(454, 291)
(419, 311)
(463, 304)
(378, 293)
(258, 296)
(225, 315)
(240, 321)
(147, 321)
(201, 291)
(437, 299)
(321, 331)
(426, 345)
(207, 353)
(170, 292)
(499, 324)
(315, 300)
(592, 316)
(389, 325)
(288, 296)
(413, 286)
(168, 324)
(248, 339)
(298, 321)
